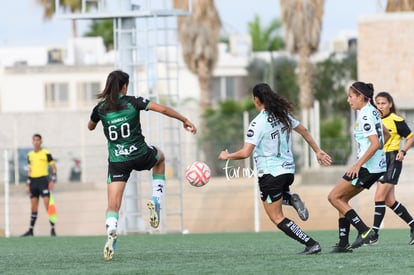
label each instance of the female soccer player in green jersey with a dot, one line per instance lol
(127, 149)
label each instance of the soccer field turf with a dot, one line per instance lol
(225, 253)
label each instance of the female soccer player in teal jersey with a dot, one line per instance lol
(127, 149)
(269, 138)
(370, 136)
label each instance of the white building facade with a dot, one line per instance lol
(52, 90)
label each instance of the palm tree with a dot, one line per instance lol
(49, 9)
(399, 5)
(199, 35)
(303, 23)
(266, 39)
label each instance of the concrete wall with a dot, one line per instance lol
(386, 54)
(220, 206)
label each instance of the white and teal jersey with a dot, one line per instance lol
(122, 128)
(368, 123)
(273, 144)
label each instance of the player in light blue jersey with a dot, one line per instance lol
(269, 138)
(119, 114)
(370, 136)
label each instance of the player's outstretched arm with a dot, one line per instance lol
(243, 153)
(165, 110)
(322, 157)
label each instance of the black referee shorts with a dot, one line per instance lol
(394, 167)
(39, 187)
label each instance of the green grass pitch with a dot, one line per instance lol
(224, 253)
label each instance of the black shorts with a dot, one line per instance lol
(39, 187)
(272, 188)
(365, 179)
(120, 171)
(394, 167)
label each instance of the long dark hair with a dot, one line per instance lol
(273, 103)
(110, 94)
(366, 90)
(389, 98)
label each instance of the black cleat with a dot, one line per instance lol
(300, 207)
(373, 240)
(52, 232)
(342, 249)
(314, 249)
(364, 238)
(29, 233)
(412, 237)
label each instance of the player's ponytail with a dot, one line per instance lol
(110, 94)
(279, 106)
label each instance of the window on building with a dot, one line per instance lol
(57, 95)
(86, 94)
(229, 87)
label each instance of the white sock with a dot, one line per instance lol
(158, 184)
(111, 224)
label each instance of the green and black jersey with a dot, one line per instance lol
(123, 128)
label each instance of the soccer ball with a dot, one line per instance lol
(198, 174)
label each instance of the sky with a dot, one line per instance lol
(21, 27)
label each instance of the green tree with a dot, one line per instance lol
(225, 124)
(331, 80)
(266, 38)
(103, 28)
(330, 83)
(335, 140)
(284, 78)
